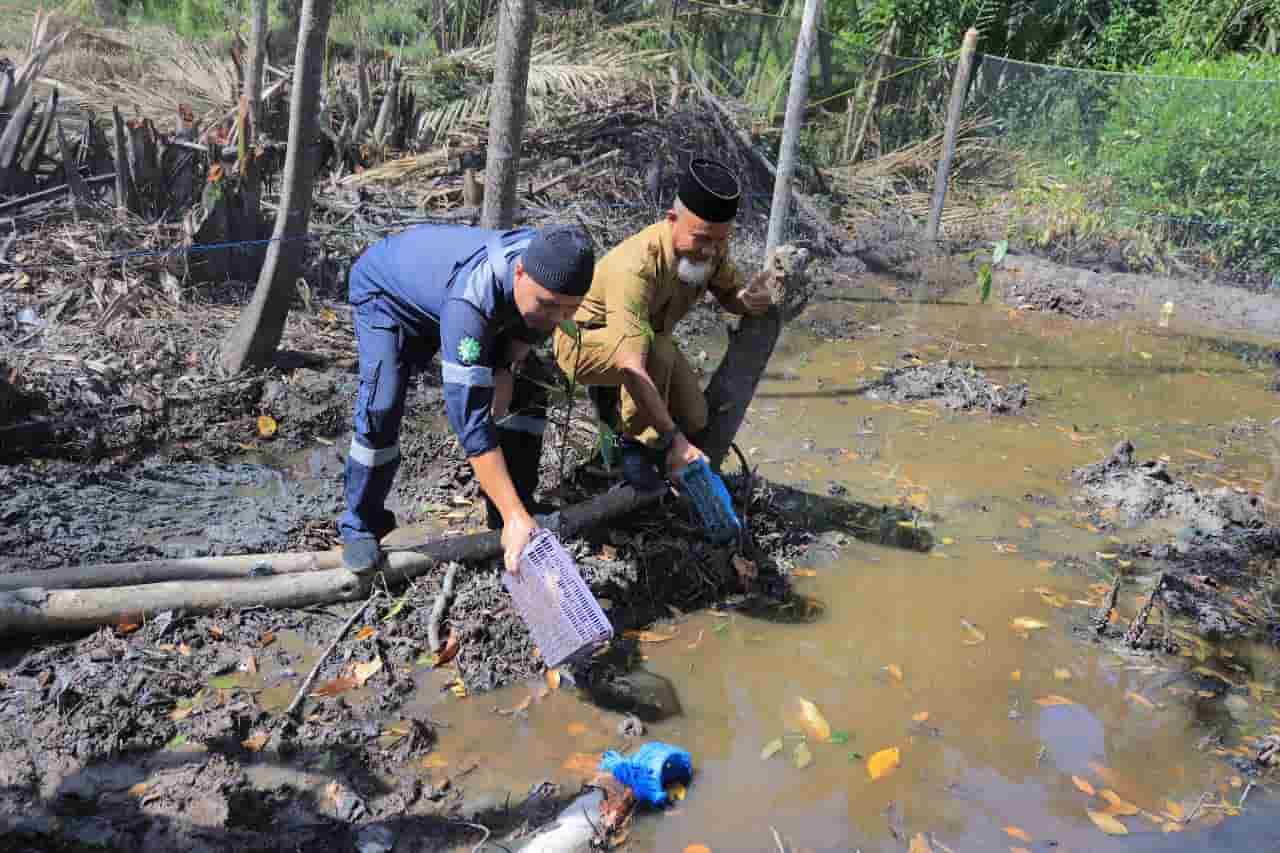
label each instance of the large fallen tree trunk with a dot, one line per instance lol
(277, 580)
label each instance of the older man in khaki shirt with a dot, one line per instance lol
(640, 291)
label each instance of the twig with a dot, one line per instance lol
(1244, 796)
(777, 839)
(1103, 617)
(1138, 626)
(315, 670)
(1196, 810)
(441, 606)
(478, 826)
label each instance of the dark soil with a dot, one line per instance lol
(954, 386)
(1041, 295)
(1219, 566)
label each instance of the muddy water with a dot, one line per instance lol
(919, 652)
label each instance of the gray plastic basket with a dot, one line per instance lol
(555, 602)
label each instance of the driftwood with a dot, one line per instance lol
(202, 586)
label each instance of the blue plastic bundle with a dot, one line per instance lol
(649, 770)
(711, 499)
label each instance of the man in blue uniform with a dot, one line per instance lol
(481, 299)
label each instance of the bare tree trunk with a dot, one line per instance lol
(254, 340)
(257, 63)
(794, 120)
(506, 112)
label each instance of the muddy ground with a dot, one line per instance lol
(1214, 559)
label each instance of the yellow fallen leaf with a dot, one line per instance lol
(1172, 827)
(1053, 699)
(1062, 674)
(804, 573)
(808, 718)
(976, 634)
(1026, 623)
(676, 792)
(1083, 785)
(920, 844)
(267, 426)
(553, 679)
(1016, 675)
(802, 757)
(433, 761)
(458, 689)
(364, 671)
(1139, 699)
(894, 670)
(920, 717)
(1173, 810)
(771, 749)
(256, 743)
(1051, 598)
(697, 848)
(1015, 832)
(649, 636)
(947, 540)
(1236, 781)
(1025, 523)
(1107, 823)
(366, 632)
(884, 762)
(1115, 804)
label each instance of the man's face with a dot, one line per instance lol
(697, 244)
(541, 309)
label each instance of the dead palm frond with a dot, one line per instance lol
(48, 33)
(556, 71)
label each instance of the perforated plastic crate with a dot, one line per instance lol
(555, 602)
(711, 499)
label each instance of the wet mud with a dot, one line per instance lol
(954, 386)
(1215, 550)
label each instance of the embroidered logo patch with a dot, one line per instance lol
(468, 350)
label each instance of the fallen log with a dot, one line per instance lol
(41, 609)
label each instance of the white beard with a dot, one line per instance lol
(694, 273)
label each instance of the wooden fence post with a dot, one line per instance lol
(959, 87)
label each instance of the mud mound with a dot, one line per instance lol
(1059, 298)
(1216, 566)
(954, 386)
(1143, 491)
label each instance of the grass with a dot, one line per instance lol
(15, 25)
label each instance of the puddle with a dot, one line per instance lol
(919, 650)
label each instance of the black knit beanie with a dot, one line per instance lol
(562, 259)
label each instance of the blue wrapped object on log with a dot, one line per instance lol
(711, 499)
(649, 770)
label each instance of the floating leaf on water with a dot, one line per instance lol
(1115, 804)
(976, 634)
(1107, 823)
(1016, 675)
(894, 670)
(1138, 699)
(256, 743)
(553, 679)
(920, 717)
(1018, 833)
(802, 756)
(1051, 598)
(1053, 699)
(884, 762)
(1026, 623)
(267, 426)
(771, 749)
(1172, 827)
(1083, 785)
(839, 738)
(1062, 674)
(806, 717)
(365, 633)
(364, 671)
(920, 844)
(650, 636)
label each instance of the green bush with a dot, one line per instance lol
(1197, 146)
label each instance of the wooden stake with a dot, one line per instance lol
(959, 88)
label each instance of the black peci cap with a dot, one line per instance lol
(710, 190)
